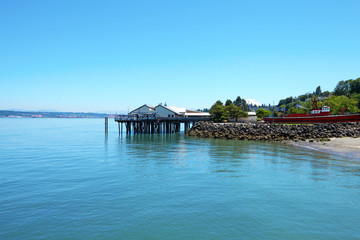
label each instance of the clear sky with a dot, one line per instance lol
(108, 56)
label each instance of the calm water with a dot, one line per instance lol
(63, 179)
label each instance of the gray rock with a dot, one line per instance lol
(269, 132)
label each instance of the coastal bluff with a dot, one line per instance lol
(275, 132)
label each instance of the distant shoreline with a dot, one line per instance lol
(32, 114)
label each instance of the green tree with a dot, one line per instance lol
(325, 94)
(218, 102)
(228, 102)
(303, 97)
(343, 88)
(336, 103)
(241, 103)
(356, 97)
(202, 110)
(238, 101)
(236, 112)
(294, 110)
(318, 91)
(219, 113)
(244, 106)
(306, 106)
(355, 86)
(261, 113)
(286, 101)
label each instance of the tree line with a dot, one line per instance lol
(345, 96)
(231, 110)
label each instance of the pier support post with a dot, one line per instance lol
(106, 125)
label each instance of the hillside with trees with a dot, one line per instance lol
(345, 97)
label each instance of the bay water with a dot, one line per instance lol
(65, 179)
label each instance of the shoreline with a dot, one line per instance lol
(342, 139)
(346, 146)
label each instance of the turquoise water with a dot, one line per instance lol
(64, 179)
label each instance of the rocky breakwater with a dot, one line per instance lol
(278, 132)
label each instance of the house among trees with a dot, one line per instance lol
(167, 111)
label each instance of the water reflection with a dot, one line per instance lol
(156, 154)
(106, 140)
(145, 146)
(227, 158)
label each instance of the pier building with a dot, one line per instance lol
(159, 119)
(144, 109)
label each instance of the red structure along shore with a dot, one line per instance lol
(317, 116)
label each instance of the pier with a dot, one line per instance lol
(149, 124)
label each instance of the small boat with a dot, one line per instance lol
(317, 116)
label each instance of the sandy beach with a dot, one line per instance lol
(347, 146)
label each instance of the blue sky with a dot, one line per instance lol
(108, 56)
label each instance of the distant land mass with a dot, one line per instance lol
(26, 114)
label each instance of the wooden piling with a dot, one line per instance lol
(106, 125)
(151, 126)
